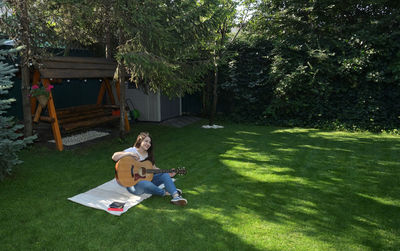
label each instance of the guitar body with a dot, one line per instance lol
(128, 171)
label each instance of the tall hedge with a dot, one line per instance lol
(331, 62)
(245, 85)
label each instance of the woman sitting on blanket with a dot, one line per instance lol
(143, 150)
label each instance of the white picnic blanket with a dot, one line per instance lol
(103, 195)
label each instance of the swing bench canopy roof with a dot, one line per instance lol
(77, 67)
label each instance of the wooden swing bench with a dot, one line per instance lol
(78, 117)
(86, 116)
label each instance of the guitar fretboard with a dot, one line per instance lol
(160, 171)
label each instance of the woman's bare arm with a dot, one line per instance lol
(118, 155)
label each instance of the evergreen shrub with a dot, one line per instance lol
(11, 140)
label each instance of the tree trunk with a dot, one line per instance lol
(207, 94)
(108, 47)
(217, 57)
(25, 55)
(67, 49)
(26, 103)
(107, 30)
(108, 42)
(121, 79)
(214, 93)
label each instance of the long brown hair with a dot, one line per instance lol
(139, 141)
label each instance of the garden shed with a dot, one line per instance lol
(153, 107)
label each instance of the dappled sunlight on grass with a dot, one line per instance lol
(382, 200)
(248, 133)
(385, 162)
(358, 137)
(317, 175)
(286, 149)
(262, 173)
(241, 153)
(199, 189)
(280, 169)
(293, 130)
(322, 148)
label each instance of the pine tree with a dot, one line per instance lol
(10, 137)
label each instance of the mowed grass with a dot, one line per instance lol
(248, 187)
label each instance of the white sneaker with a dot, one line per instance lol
(179, 201)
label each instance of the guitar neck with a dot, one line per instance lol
(160, 170)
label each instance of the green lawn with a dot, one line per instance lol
(248, 187)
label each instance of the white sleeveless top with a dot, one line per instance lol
(134, 150)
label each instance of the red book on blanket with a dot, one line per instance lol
(116, 206)
(115, 209)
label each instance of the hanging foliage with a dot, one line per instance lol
(161, 47)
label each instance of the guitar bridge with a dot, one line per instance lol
(140, 174)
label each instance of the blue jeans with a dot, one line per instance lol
(151, 187)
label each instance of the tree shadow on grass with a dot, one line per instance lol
(192, 231)
(337, 188)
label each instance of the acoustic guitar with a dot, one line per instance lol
(128, 171)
